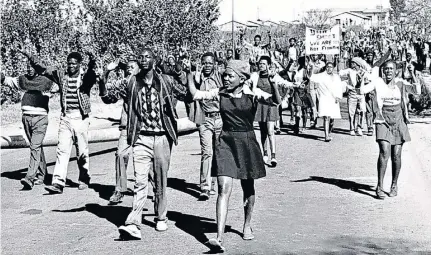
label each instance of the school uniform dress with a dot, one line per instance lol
(392, 117)
(265, 111)
(237, 153)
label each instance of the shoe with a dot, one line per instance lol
(162, 225)
(394, 191)
(38, 182)
(265, 159)
(215, 246)
(54, 189)
(277, 131)
(248, 235)
(360, 132)
(205, 195)
(273, 162)
(213, 192)
(83, 186)
(313, 125)
(27, 184)
(370, 132)
(328, 139)
(130, 232)
(116, 198)
(352, 133)
(380, 194)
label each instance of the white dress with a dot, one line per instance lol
(329, 88)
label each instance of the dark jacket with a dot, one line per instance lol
(166, 86)
(88, 79)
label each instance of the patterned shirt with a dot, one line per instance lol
(151, 110)
(72, 102)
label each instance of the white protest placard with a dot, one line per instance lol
(322, 41)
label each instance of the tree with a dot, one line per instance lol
(45, 27)
(318, 19)
(398, 8)
(124, 27)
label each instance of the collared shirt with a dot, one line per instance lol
(207, 84)
(151, 109)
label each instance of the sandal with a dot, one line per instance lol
(394, 191)
(215, 245)
(380, 194)
(248, 236)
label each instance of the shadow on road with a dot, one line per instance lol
(370, 245)
(302, 135)
(117, 215)
(20, 173)
(183, 186)
(193, 225)
(343, 184)
(115, 122)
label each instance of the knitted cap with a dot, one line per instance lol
(241, 68)
(358, 61)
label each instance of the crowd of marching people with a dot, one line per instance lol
(224, 95)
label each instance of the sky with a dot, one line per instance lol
(285, 10)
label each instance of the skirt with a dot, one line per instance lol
(395, 130)
(266, 112)
(238, 155)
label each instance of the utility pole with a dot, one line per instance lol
(233, 28)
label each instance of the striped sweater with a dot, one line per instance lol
(72, 101)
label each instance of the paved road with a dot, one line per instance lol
(319, 200)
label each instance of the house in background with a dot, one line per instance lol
(237, 26)
(376, 17)
(351, 19)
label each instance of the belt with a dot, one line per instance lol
(212, 114)
(151, 133)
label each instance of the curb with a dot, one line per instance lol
(185, 127)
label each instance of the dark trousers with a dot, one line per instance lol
(35, 128)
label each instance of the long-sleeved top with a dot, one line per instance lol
(86, 81)
(384, 92)
(355, 79)
(37, 91)
(165, 85)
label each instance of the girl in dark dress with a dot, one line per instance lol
(237, 153)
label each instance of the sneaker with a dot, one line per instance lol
(360, 132)
(205, 195)
(277, 131)
(116, 198)
(162, 225)
(130, 232)
(54, 189)
(38, 182)
(82, 186)
(265, 159)
(352, 133)
(273, 162)
(213, 192)
(370, 132)
(27, 184)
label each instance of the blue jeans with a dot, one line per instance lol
(150, 152)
